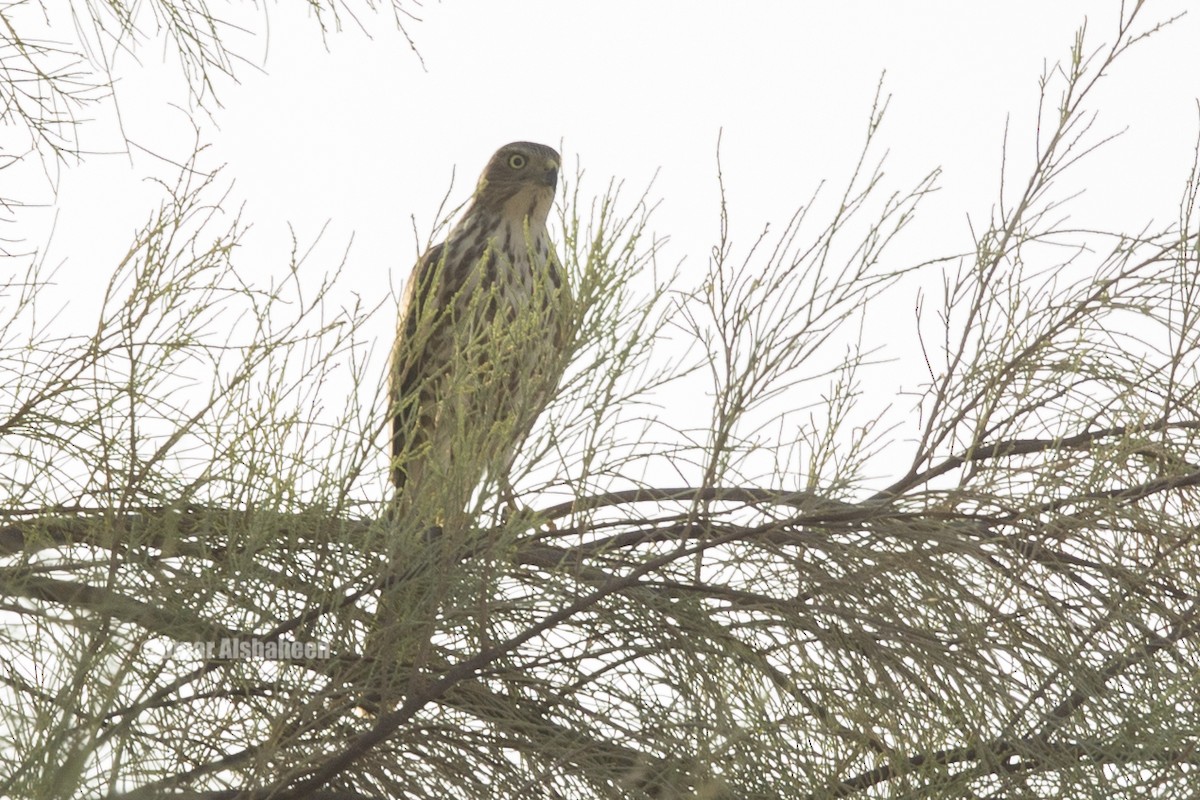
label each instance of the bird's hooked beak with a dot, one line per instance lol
(550, 175)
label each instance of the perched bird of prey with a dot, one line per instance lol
(483, 336)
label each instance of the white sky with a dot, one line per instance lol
(362, 135)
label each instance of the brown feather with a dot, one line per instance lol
(461, 294)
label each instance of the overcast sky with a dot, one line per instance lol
(365, 135)
(361, 132)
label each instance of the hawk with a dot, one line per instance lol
(484, 333)
(483, 336)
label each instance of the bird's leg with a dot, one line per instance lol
(508, 498)
(512, 511)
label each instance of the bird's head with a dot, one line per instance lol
(519, 182)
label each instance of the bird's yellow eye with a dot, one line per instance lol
(516, 161)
